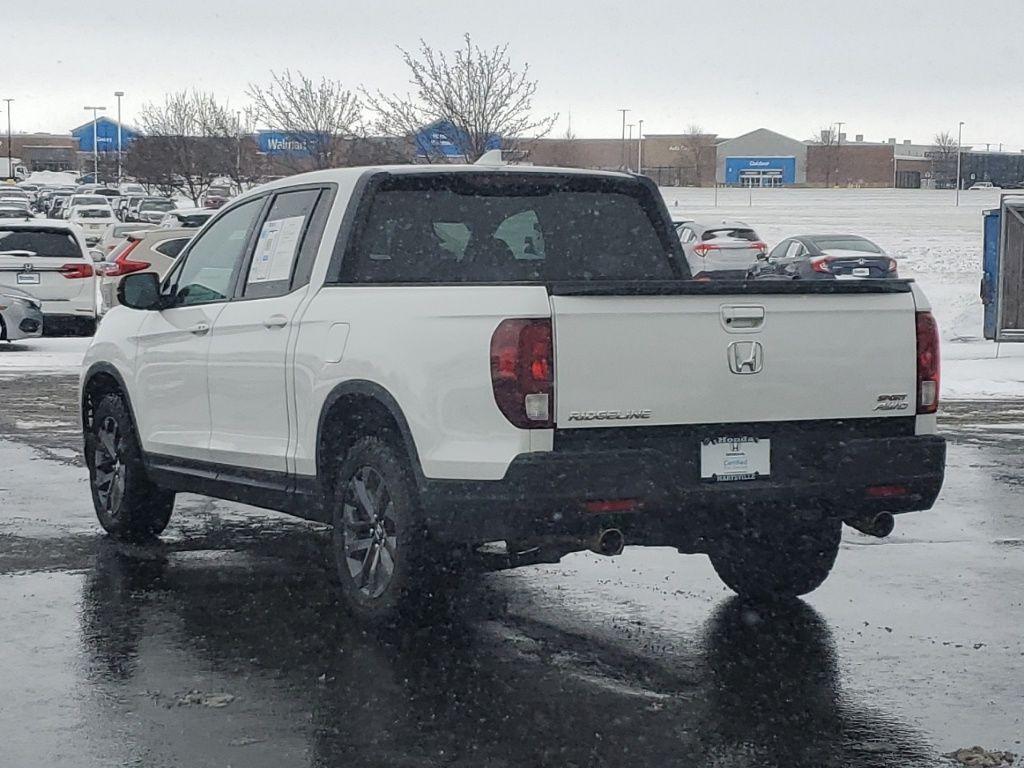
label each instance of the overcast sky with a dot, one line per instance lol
(902, 68)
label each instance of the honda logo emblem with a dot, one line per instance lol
(746, 357)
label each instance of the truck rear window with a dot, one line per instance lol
(450, 228)
(40, 243)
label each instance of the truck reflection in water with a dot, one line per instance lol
(475, 687)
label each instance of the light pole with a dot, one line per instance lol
(839, 146)
(640, 147)
(629, 142)
(10, 162)
(119, 94)
(95, 144)
(959, 143)
(622, 162)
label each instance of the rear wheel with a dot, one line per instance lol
(777, 559)
(386, 564)
(128, 505)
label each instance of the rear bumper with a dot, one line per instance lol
(543, 494)
(82, 306)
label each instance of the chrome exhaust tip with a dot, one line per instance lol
(608, 542)
(880, 526)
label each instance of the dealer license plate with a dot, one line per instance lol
(726, 459)
(28, 278)
(861, 272)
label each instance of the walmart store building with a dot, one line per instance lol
(761, 158)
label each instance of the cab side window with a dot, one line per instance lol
(795, 250)
(208, 272)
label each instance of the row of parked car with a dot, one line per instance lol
(732, 250)
(63, 250)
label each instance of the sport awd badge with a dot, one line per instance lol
(746, 357)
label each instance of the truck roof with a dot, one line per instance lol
(347, 177)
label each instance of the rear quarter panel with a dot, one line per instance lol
(429, 348)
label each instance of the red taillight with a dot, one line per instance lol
(822, 264)
(928, 364)
(892, 265)
(75, 271)
(613, 505)
(702, 249)
(759, 246)
(123, 265)
(886, 491)
(523, 372)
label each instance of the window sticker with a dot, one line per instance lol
(276, 250)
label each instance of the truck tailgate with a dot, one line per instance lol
(645, 360)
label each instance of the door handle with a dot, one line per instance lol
(200, 328)
(738, 319)
(275, 321)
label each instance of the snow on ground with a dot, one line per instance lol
(59, 355)
(937, 244)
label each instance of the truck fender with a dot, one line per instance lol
(375, 392)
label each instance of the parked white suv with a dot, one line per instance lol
(49, 260)
(434, 358)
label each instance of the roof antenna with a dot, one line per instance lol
(491, 157)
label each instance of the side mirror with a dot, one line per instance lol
(96, 255)
(140, 291)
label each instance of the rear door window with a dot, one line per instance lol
(280, 240)
(452, 228)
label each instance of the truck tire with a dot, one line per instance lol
(777, 560)
(388, 569)
(128, 505)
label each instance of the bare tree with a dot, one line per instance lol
(321, 119)
(565, 152)
(828, 139)
(189, 140)
(693, 141)
(943, 157)
(475, 94)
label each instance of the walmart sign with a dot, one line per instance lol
(281, 143)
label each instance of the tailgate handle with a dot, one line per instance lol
(742, 318)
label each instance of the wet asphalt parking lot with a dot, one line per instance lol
(223, 645)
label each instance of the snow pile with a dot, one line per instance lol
(62, 178)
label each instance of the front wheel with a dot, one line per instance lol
(386, 563)
(777, 559)
(128, 505)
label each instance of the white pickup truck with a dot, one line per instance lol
(437, 358)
